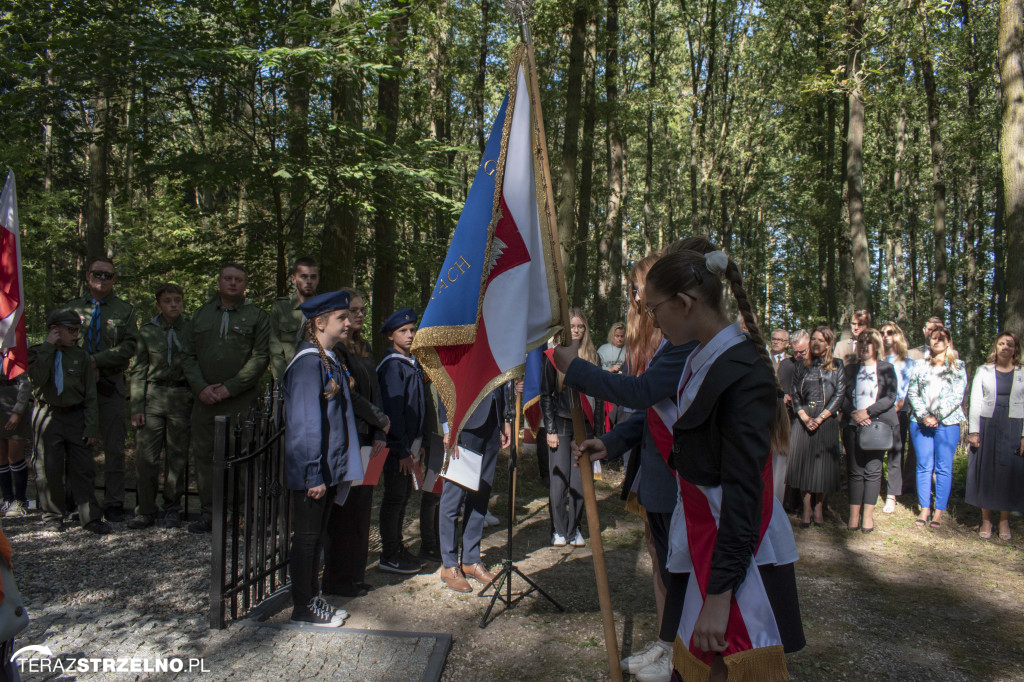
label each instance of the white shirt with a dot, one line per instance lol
(865, 393)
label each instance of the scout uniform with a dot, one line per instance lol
(66, 414)
(161, 393)
(402, 393)
(286, 322)
(227, 345)
(109, 333)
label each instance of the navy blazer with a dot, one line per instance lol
(403, 395)
(316, 429)
(657, 491)
(724, 439)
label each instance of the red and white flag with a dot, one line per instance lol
(496, 297)
(13, 346)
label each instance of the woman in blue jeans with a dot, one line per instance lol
(935, 393)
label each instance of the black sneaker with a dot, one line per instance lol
(98, 526)
(140, 521)
(114, 513)
(201, 526)
(429, 554)
(172, 519)
(399, 564)
(326, 605)
(409, 558)
(315, 615)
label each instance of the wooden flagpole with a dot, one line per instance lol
(519, 9)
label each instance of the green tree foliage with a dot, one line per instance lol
(257, 131)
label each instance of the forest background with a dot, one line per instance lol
(848, 155)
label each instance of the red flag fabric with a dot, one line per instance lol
(13, 345)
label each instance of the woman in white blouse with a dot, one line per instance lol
(995, 471)
(870, 397)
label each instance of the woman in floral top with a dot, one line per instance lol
(935, 393)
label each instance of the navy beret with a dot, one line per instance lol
(324, 303)
(67, 318)
(398, 319)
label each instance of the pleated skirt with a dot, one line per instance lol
(814, 458)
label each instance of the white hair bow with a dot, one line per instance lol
(716, 262)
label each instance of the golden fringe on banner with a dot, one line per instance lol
(765, 664)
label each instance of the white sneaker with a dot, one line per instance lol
(558, 540)
(890, 505)
(577, 540)
(491, 520)
(640, 660)
(658, 671)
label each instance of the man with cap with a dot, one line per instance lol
(403, 395)
(161, 403)
(109, 336)
(65, 423)
(225, 352)
(285, 317)
(486, 432)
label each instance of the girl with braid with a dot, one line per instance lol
(321, 448)
(731, 547)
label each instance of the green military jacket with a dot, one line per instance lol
(151, 358)
(118, 332)
(237, 357)
(79, 382)
(285, 322)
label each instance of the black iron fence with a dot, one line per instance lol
(251, 515)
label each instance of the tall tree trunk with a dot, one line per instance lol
(440, 130)
(1011, 151)
(341, 224)
(854, 163)
(481, 75)
(611, 252)
(975, 202)
(567, 231)
(898, 304)
(297, 100)
(652, 78)
(925, 64)
(388, 90)
(98, 151)
(582, 238)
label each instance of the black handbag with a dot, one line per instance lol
(875, 436)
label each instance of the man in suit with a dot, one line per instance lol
(780, 342)
(487, 431)
(922, 352)
(846, 350)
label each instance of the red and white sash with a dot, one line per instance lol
(755, 650)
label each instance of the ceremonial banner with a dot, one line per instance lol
(496, 297)
(13, 346)
(531, 389)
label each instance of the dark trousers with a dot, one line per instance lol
(675, 593)
(659, 524)
(59, 444)
(429, 513)
(347, 545)
(908, 465)
(309, 524)
(397, 488)
(894, 472)
(542, 455)
(114, 428)
(566, 486)
(863, 468)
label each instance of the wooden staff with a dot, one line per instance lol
(520, 9)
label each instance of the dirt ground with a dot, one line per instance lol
(902, 603)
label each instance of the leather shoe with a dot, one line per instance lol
(479, 573)
(453, 578)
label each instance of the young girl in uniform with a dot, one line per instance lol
(736, 622)
(321, 449)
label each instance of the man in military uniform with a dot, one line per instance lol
(65, 423)
(226, 350)
(286, 318)
(109, 335)
(161, 403)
